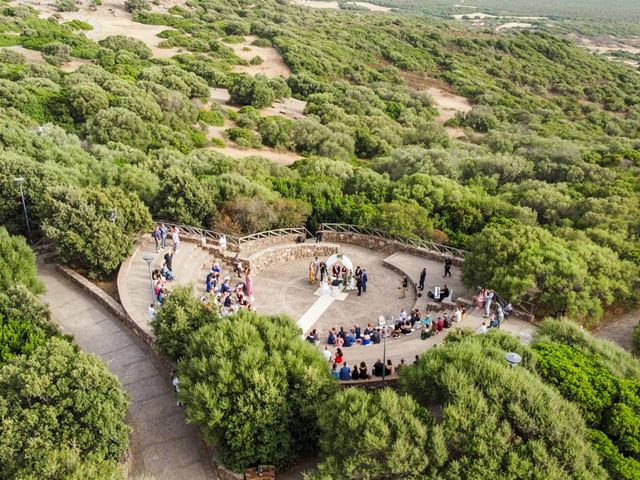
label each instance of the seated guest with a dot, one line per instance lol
(406, 328)
(395, 333)
(355, 374)
(334, 371)
(366, 339)
(440, 324)
(166, 273)
(339, 341)
(378, 368)
(375, 336)
(444, 293)
(400, 365)
(388, 368)
(342, 334)
(434, 326)
(312, 337)
(331, 340)
(403, 315)
(226, 300)
(494, 322)
(338, 357)
(415, 317)
(345, 372)
(156, 274)
(457, 314)
(426, 321)
(357, 332)
(363, 371)
(350, 339)
(225, 288)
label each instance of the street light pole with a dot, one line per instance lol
(383, 324)
(20, 181)
(149, 258)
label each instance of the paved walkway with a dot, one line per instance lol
(620, 330)
(162, 444)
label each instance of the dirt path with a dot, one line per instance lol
(620, 331)
(162, 444)
(272, 66)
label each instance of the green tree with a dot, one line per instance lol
(254, 387)
(276, 132)
(94, 227)
(182, 198)
(86, 100)
(118, 125)
(17, 263)
(61, 416)
(24, 323)
(134, 5)
(373, 436)
(497, 421)
(247, 90)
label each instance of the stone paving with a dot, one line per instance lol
(162, 444)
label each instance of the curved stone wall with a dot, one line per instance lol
(276, 255)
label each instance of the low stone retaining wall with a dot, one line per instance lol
(262, 243)
(385, 245)
(277, 255)
(374, 383)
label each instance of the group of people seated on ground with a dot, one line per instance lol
(161, 277)
(405, 324)
(221, 295)
(361, 372)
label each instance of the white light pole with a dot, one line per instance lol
(149, 258)
(19, 181)
(383, 324)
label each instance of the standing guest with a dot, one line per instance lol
(316, 267)
(500, 314)
(237, 265)
(423, 277)
(355, 374)
(358, 271)
(327, 354)
(152, 312)
(365, 279)
(222, 243)
(488, 298)
(163, 233)
(157, 236)
(457, 314)
(478, 300)
(357, 332)
(175, 236)
(388, 368)
(323, 271)
(363, 371)
(447, 267)
(345, 372)
(378, 368)
(248, 283)
(359, 284)
(168, 260)
(319, 234)
(404, 283)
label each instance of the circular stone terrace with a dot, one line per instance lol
(280, 270)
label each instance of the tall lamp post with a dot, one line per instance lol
(19, 181)
(149, 258)
(383, 324)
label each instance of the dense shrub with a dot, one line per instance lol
(94, 227)
(254, 388)
(17, 263)
(61, 416)
(373, 435)
(497, 421)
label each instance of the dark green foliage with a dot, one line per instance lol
(244, 137)
(258, 91)
(497, 421)
(94, 227)
(636, 338)
(609, 403)
(373, 435)
(181, 314)
(61, 416)
(24, 323)
(134, 5)
(17, 264)
(182, 199)
(254, 388)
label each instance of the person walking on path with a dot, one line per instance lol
(404, 283)
(423, 277)
(175, 236)
(447, 268)
(157, 236)
(164, 231)
(319, 234)
(365, 279)
(222, 243)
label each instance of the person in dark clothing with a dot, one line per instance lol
(365, 279)
(388, 368)
(447, 267)
(378, 368)
(359, 284)
(345, 372)
(444, 293)
(319, 235)
(363, 371)
(423, 277)
(168, 260)
(355, 374)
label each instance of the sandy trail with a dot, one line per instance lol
(272, 66)
(108, 19)
(336, 6)
(34, 56)
(281, 158)
(448, 103)
(507, 26)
